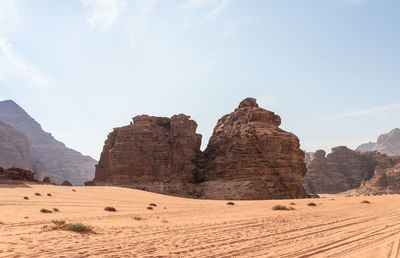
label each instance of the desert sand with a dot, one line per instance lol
(338, 226)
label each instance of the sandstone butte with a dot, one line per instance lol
(248, 157)
(366, 172)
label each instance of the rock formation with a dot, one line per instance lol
(343, 169)
(66, 183)
(49, 157)
(366, 146)
(152, 153)
(248, 157)
(14, 148)
(16, 174)
(384, 181)
(389, 143)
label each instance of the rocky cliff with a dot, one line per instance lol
(49, 157)
(152, 153)
(248, 157)
(343, 169)
(14, 148)
(389, 143)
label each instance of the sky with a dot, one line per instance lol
(329, 68)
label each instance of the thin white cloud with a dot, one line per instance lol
(104, 12)
(230, 30)
(210, 10)
(383, 110)
(9, 11)
(13, 67)
(137, 24)
(212, 15)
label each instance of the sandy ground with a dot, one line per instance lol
(338, 226)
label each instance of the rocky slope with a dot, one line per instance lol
(389, 143)
(366, 146)
(14, 148)
(49, 157)
(248, 157)
(343, 169)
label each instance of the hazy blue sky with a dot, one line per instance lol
(329, 68)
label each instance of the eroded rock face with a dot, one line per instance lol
(49, 157)
(343, 169)
(16, 174)
(384, 181)
(389, 143)
(14, 148)
(248, 157)
(152, 153)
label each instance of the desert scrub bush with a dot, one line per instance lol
(292, 203)
(280, 208)
(73, 190)
(137, 218)
(26, 198)
(230, 203)
(292, 209)
(38, 194)
(58, 222)
(77, 227)
(149, 207)
(45, 211)
(56, 209)
(153, 204)
(311, 204)
(109, 208)
(49, 194)
(365, 201)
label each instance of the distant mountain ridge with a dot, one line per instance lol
(388, 144)
(14, 148)
(49, 157)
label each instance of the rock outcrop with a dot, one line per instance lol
(66, 183)
(49, 157)
(16, 174)
(14, 148)
(389, 143)
(343, 169)
(384, 181)
(152, 153)
(248, 157)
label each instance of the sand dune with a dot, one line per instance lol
(338, 226)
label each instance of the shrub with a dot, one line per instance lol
(45, 211)
(49, 194)
(56, 209)
(280, 208)
(311, 204)
(153, 204)
(77, 227)
(230, 203)
(58, 222)
(73, 190)
(137, 218)
(365, 201)
(292, 203)
(108, 208)
(291, 208)
(149, 207)
(26, 198)
(38, 194)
